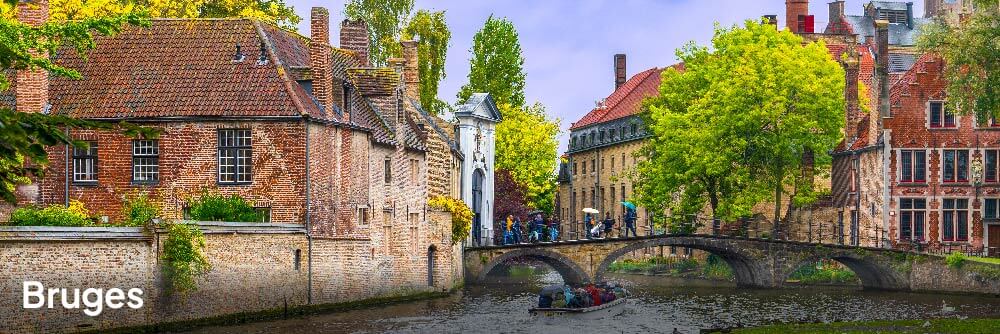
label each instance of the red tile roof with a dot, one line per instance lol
(626, 100)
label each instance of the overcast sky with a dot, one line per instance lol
(568, 45)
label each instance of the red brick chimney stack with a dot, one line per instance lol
(882, 65)
(354, 37)
(411, 70)
(851, 72)
(31, 89)
(794, 9)
(319, 57)
(620, 73)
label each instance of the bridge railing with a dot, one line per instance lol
(818, 232)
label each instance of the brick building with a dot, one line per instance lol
(308, 133)
(601, 158)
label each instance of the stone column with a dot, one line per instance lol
(933, 224)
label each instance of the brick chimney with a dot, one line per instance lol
(354, 37)
(620, 70)
(411, 69)
(795, 12)
(851, 73)
(398, 111)
(909, 15)
(319, 58)
(31, 89)
(882, 65)
(836, 10)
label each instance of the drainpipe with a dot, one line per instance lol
(886, 195)
(66, 168)
(309, 240)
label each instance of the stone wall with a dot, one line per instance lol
(255, 268)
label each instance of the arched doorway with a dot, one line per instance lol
(477, 207)
(431, 252)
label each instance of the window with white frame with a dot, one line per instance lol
(912, 215)
(939, 117)
(955, 219)
(85, 163)
(991, 157)
(362, 216)
(145, 161)
(955, 166)
(235, 156)
(913, 166)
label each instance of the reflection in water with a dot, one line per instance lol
(659, 304)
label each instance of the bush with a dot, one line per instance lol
(461, 216)
(218, 207)
(955, 260)
(183, 257)
(53, 215)
(138, 209)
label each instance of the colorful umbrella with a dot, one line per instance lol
(590, 210)
(629, 205)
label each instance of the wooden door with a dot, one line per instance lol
(994, 239)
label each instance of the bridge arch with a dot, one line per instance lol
(571, 272)
(748, 272)
(872, 273)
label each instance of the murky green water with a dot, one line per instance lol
(659, 305)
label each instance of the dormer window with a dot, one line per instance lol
(939, 117)
(893, 16)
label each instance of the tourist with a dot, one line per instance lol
(587, 224)
(609, 225)
(553, 230)
(595, 294)
(508, 233)
(630, 222)
(517, 231)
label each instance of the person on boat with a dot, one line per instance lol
(595, 294)
(609, 225)
(516, 231)
(630, 222)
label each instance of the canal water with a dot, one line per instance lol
(659, 305)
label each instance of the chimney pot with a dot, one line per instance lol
(620, 72)
(771, 19)
(354, 37)
(31, 86)
(319, 61)
(795, 12)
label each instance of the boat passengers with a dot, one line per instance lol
(555, 296)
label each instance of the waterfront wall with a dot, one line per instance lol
(255, 268)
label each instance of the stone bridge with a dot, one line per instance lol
(755, 262)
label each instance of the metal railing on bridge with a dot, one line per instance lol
(814, 232)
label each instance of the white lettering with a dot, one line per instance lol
(76, 299)
(28, 293)
(135, 301)
(94, 307)
(114, 298)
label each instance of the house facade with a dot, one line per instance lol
(600, 163)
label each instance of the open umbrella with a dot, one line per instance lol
(535, 212)
(590, 210)
(629, 205)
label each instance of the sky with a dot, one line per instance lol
(569, 45)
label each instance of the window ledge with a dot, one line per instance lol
(956, 184)
(944, 128)
(145, 183)
(911, 184)
(86, 183)
(234, 183)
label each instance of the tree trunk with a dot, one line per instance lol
(777, 202)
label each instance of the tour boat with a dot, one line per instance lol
(609, 309)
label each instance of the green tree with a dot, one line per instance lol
(526, 146)
(497, 65)
(24, 136)
(972, 59)
(385, 19)
(274, 11)
(737, 122)
(430, 30)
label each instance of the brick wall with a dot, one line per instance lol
(188, 160)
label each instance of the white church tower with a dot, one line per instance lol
(477, 120)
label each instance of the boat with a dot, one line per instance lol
(609, 309)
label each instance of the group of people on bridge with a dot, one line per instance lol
(539, 229)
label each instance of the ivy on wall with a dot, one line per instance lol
(183, 257)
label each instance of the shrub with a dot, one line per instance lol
(53, 215)
(183, 257)
(218, 207)
(138, 209)
(461, 216)
(955, 260)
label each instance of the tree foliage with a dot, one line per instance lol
(733, 126)
(461, 216)
(497, 65)
(526, 146)
(972, 59)
(430, 30)
(509, 196)
(385, 19)
(274, 11)
(24, 136)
